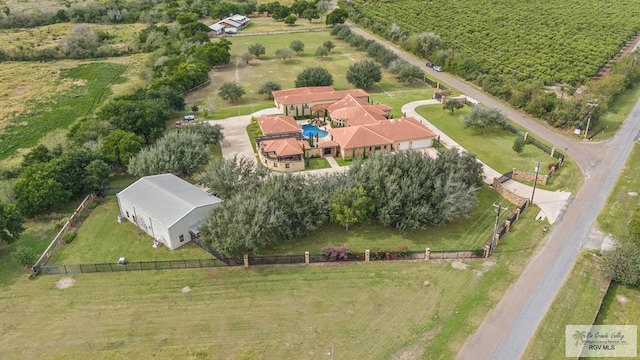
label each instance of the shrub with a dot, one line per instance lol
(194, 108)
(69, 237)
(23, 255)
(399, 252)
(338, 253)
(518, 145)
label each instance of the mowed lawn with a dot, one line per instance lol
(494, 148)
(268, 67)
(101, 239)
(463, 234)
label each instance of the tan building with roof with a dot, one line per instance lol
(307, 100)
(357, 141)
(351, 111)
(285, 155)
(279, 125)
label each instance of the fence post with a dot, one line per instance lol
(306, 257)
(553, 151)
(367, 255)
(427, 253)
(526, 135)
(486, 251)
(507, 225)
(497, 239)
(517, 214)
(246, 260)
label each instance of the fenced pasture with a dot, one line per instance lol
(492, 34)
(283, 311)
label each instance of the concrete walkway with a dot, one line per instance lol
(551, 203)
(332, 162)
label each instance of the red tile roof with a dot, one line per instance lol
(327, 144)
(314, 94)
(284, 147)
(357, 137)
(356, 111)
(403, 129)
(278, 124)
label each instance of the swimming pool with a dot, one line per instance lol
(309, 130)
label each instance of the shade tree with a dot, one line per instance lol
(268, 87)
(178, 152)
(482, 118)
(314, 76)
(256, 50)
(297, 46)
(364, 74)
(231, 91)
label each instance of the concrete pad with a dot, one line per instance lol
(608, 244)
(551, 203)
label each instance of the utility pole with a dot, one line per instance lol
(593, 107)
(495, 226)
(535, 180)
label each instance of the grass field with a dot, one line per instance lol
(85, 87)
(618, 113)
(318, 163)
(251, 75)
(274, 312)
(622, 200)
(49, 36)
(465, 234)
(576, 303)
(494, 147)
(101, 239)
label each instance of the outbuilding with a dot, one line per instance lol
(167, 208)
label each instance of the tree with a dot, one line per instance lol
(82, 42)
(337, 16)
(178, 152)
(297, 46)
(329, 45)
(410, 74)
(246, 57)
(39, 154)
(350, 206)
(146, 118)
(231, 91)
(120, 146)
(290, 20)
(256, 50)
(284, 53)
(97, 174)
(314, 76)
(38, 191)
(23, 255)
(11, 223)
(452, 105)
(210, 134)
(518, 144)
(364, 74)
(482, 118)
(311, 14)
(322, 52)
(268, 87)
(231, 176)
(623, 265)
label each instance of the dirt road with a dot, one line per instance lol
(507, 328)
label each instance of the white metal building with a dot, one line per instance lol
(167, 208)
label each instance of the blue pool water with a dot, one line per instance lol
(312, 130)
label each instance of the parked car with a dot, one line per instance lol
(437, 68)
(429, 64)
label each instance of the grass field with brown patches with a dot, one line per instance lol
(49, 36)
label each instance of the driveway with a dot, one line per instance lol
(551, 203)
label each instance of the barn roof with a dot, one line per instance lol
(166, 198)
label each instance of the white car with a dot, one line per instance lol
(437, 68)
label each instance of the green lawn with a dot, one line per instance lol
(343, 162)
(616, 310)
(102, 240)
(618, 113)
(623, 199)
(576, 303)
(494, 147)
(251, 75)
(318, 163)
(466, 234)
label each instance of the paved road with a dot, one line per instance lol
(507, 328)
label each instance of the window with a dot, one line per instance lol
(181, 238)
(286, 166)
(291, 107)
(369, 148)
(378, 148)
(385, 147)
(305, 106)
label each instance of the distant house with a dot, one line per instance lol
(230, 25)
(307, 101)
(167, 208)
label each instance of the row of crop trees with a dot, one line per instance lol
(527, 93)
(405, 190)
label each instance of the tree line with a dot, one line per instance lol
(406, 190)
